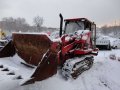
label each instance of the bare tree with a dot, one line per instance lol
(12, 24)
(21, 24)
(38, 21)
(9, 23)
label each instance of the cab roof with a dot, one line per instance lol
(78, 19)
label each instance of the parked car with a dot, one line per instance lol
(116, 44)
(54, 35)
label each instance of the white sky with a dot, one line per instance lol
(99, 11)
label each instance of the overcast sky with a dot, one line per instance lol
(99, 11)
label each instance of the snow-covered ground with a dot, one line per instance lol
(104, 75)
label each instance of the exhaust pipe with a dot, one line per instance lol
(61, 24)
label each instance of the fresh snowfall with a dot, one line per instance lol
(104, 75)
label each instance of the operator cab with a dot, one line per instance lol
(72, 25)
(75, 24)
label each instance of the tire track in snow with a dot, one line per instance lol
(109, 83)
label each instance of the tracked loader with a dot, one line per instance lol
(73, 51)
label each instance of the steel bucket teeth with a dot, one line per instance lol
(1, 66)
(5, 69)
(11, 73)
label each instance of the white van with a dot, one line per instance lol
(103, 42)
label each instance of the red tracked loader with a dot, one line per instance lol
(73, 51)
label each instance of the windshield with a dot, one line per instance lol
(73, 26)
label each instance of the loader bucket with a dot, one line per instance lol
(8, 50)
(38, 50)
(31, 47)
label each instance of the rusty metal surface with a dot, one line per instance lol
(31, 47)
(45, 69)
(8, 50)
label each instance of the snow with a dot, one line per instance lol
(104, 75)
(57, 40)
(35, 33)
(3, 40)
(55, 35)
(79, 32)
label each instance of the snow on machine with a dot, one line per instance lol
(73, 51)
